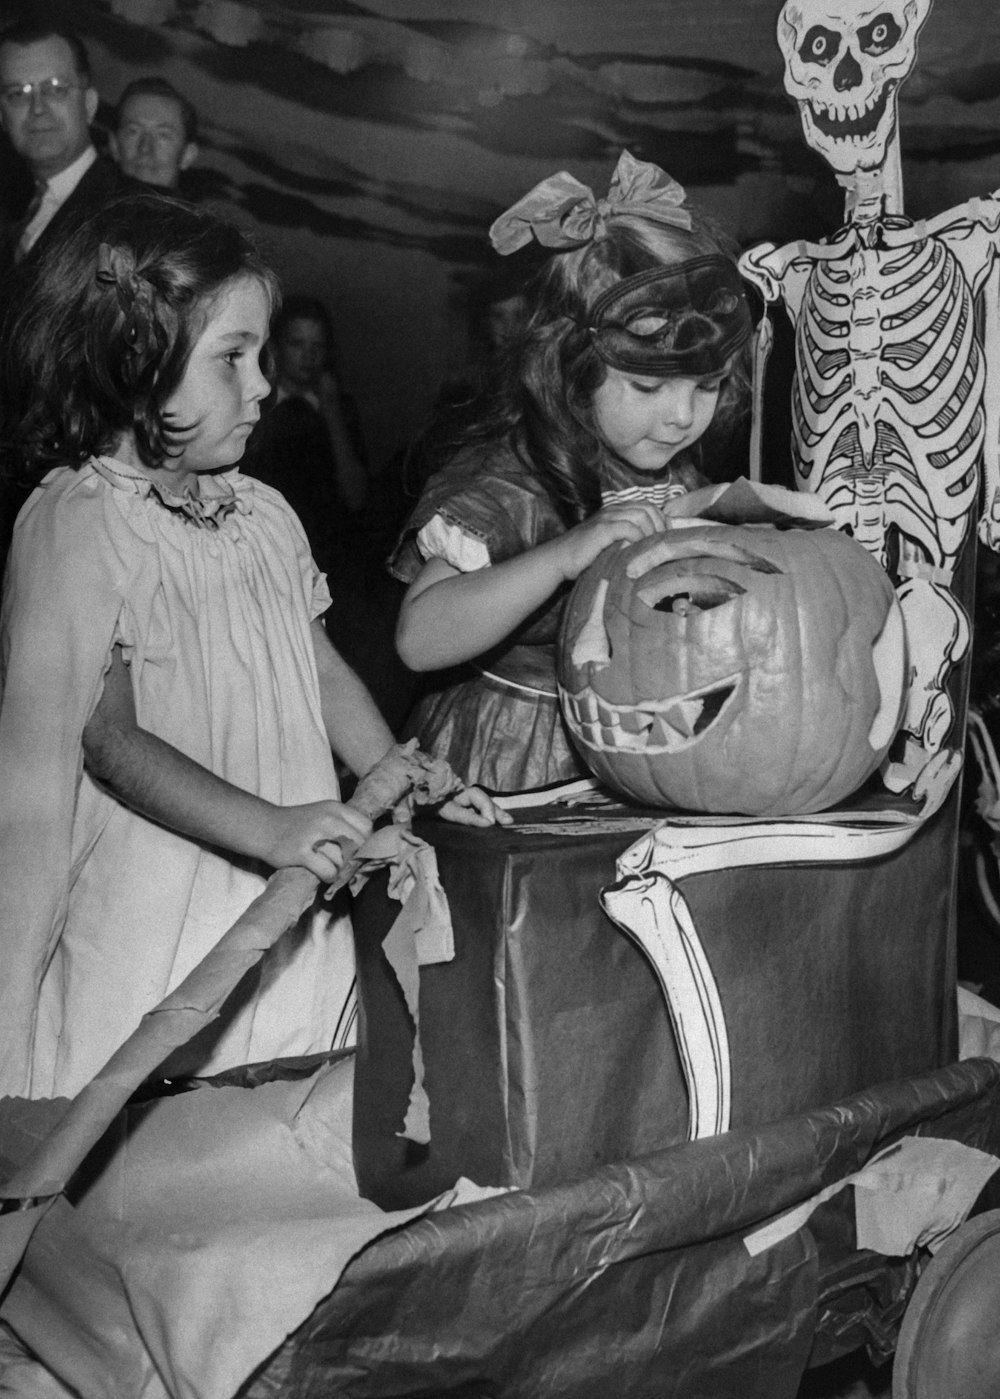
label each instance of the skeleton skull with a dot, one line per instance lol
(844, 61)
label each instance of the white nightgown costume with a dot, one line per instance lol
(102, 912)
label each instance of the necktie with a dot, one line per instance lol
(43, 205)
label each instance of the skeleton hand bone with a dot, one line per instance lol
(989, 525)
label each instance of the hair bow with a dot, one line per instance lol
(114, 264)
(116, 268)
(563, 213)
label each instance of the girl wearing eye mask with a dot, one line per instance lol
(634, 342)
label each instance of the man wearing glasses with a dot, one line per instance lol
(46, 106)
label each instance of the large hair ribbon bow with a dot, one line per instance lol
(116, 268)
(561, 212)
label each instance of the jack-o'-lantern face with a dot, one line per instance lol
(734, 669)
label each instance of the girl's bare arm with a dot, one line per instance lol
(159, 781)
(359, 734)
(448, 617)
(354, 725)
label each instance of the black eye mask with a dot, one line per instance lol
(688, 319)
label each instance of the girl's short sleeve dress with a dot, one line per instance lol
(102, 912)
(497, 721)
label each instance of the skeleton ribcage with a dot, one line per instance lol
(887, 403)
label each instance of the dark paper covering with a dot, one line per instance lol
(635, 1281)
(547, 1044)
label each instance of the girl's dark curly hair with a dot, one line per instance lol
(100, 329)
(539, 394)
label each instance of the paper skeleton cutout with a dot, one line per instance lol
(894, 405)
(893, 408)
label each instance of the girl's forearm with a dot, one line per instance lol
(158, 781)
(354, 725)
(449, 617)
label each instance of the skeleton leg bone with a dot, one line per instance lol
(646, 903)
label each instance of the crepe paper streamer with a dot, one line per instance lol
(403, 776)
(645, 903)
(420, 936)
(914, 1194)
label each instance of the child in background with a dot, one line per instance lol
(635, 341)
(304, 445)
(169, 698)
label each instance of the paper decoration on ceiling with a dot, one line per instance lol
(492, 61)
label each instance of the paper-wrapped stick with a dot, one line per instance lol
(404, 773)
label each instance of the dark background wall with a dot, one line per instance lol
(373, 143)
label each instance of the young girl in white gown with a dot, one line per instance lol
(170, 699)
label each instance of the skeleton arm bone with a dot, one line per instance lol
(778, 274)
(989, 525)
(971, 232)
(781, 274)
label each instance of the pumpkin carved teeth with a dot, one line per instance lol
(661, 726)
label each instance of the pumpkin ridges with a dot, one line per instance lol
(822, 561)
(834, 765)
(831, 767)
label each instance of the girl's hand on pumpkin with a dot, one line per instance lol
(627, 521)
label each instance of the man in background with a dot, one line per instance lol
(47, 103)
(154, 139)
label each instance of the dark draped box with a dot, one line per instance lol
(548, 1046)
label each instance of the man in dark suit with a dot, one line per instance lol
(46, 106)
(155, 135)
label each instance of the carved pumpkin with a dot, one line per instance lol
(743, 669)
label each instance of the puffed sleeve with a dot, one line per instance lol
(488, 503)
(440, 539)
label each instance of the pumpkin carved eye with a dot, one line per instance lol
(672, 548)
(696, 592)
